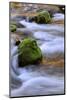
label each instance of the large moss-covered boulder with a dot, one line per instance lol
(29, 52)
(43, 17)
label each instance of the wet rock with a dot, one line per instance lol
(33, 19)
(20, 25)
(17, 42)
(29, 52)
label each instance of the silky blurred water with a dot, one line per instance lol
(40, 79)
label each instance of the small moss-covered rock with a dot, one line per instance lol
(29, 52)
(43, 17)
(13, 27)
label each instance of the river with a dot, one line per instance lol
(48, 77)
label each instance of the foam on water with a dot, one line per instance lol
(43, 27)
(43, 36)
(40, 86)
(58, 16)
(26, 82)
(52, 47)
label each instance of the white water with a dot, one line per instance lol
(33, 82)
(49, 34)
(58, 16)
(43, 27)
(30, 80)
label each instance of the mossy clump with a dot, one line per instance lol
(43, 17)
(29, 52)
(13, 27)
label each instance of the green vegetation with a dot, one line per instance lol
(29, 52)
(13, 27)
(43, 17)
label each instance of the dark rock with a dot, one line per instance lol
(17, 42)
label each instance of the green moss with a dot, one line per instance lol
(29, 52)
(43, 17)
(13, 27)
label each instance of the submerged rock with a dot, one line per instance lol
(29, 52)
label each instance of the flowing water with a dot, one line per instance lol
(47, 77)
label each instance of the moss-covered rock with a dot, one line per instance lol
(29, 52)
(13, 27)
(43, 17)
